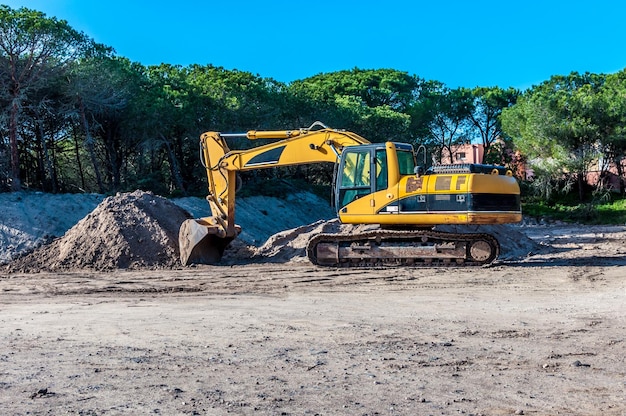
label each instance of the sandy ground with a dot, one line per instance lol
(542, 336)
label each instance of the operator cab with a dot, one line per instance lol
(365, 169)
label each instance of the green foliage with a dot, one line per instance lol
(583, 213)
(375, 88)
(27, 34)
(612, 212)
(443, 116)
(486, 108)
(371, 102)
(35, 55)
(568, 124)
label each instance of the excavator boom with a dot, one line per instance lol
(204, 240)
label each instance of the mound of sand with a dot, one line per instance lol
(290, 245)
(132, 230)
(514, 244)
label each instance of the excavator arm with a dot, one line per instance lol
(203, 240)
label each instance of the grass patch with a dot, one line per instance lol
(609, 213)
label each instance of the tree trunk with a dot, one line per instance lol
(174, 167)
(114, 160)
(78, 162)
(16, 184)
(48, 171)
(620, 174)
(90, 146)
(581, 186)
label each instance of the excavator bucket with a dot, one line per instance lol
(200, 243)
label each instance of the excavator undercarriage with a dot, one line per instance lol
(421, 248)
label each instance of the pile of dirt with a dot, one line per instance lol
(514, 243)
(127, 231)
(290, 245)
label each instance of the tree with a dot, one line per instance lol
(172, 115)
(487, 105)
(445, 116)
(373, 103)
(43, 121)
(99, 92)
(612, 109)
(188, 101)
(237, 99)
(379, 87)
(34, 48)
(558, 125)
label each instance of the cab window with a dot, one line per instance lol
(381, 169)
(356, 169)
(406, 162)
(356, 178)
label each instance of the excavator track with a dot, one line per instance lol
(423, 248)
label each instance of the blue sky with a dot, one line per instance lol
(460, 43)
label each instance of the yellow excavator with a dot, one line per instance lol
(376, 183)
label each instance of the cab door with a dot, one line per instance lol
(356, 175)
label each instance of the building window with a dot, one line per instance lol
(460, 156)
